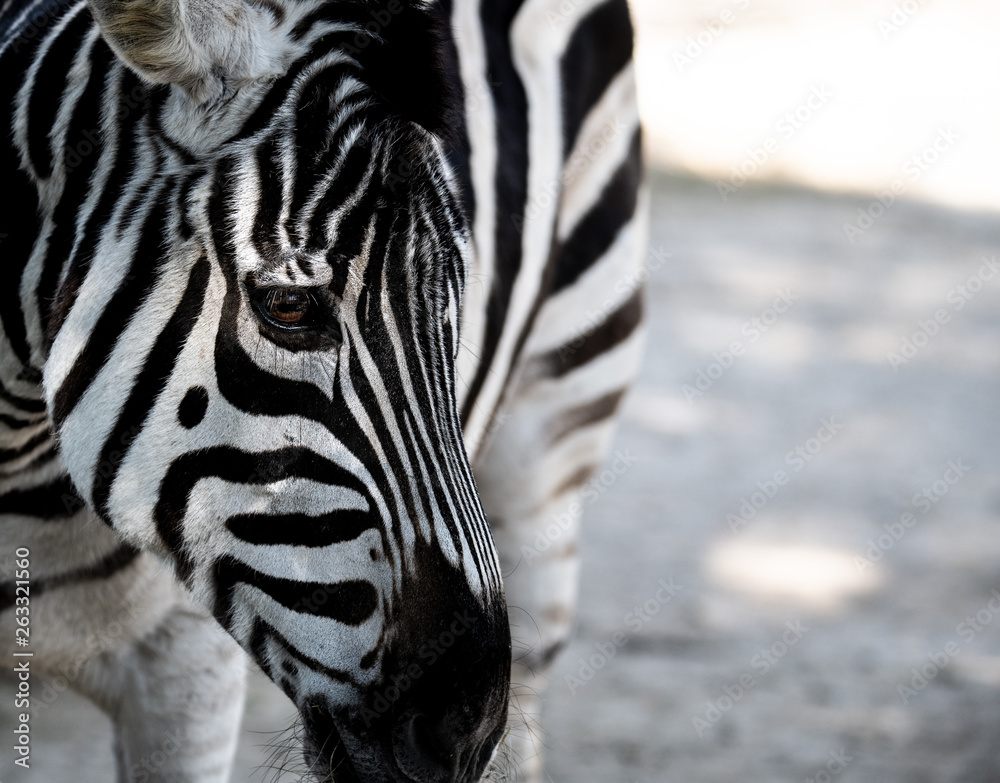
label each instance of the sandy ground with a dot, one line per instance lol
(799, 621)
(806, 521)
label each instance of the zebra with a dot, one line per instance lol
(315, 321)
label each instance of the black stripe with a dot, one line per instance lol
(275, 9)
(267, 109)
(140, 195)
(157, 368)
(612, 331)
(23, 404)
(42, 458)
(350, 602)
(12, 423)
(120, 558)
(240, 467)
(334, 527)
(510, 182)
(82, 150)
(355, 221)
(122, 168)
(390, 463)
(19, 219)
(584, 415)
(599, 228)
(55, 500)
(123, 305)
(458, 145)
(263, 632)
(47, 90)
(600, 48)
(266, 238)
(16, 452)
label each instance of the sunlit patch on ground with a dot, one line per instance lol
(812, 577)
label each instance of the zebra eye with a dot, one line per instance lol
(287, 306)
(296, 317)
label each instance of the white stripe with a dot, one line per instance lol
(109, 132)
(604, 140)
(538, 43)
(111, 263)
(481, 125)
(597, 293)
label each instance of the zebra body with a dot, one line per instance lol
(316, 315)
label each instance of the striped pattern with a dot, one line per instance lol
(452, 192)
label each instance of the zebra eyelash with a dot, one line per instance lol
(317, 330)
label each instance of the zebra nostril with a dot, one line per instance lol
(422, 751)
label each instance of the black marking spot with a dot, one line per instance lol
(369, 659)
(193, 406)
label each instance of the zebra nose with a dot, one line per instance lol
(421, 751)
(426, 752)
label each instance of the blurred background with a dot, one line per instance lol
(797, 577)
(816, 428)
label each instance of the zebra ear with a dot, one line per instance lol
(203, 46)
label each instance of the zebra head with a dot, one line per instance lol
(254, 378)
